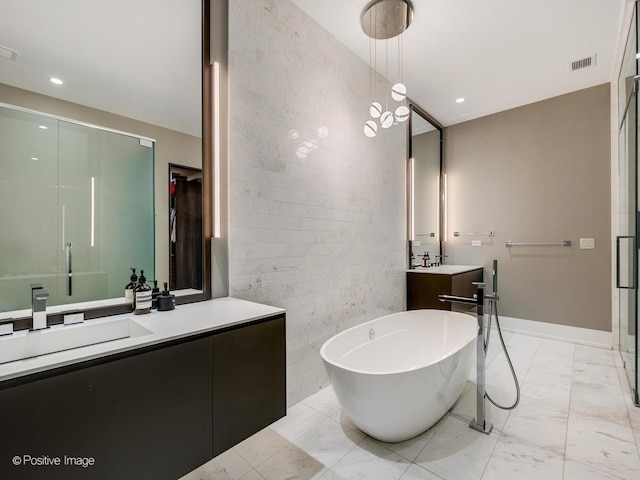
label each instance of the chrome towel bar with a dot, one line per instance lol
(564, 243)
(458, 234)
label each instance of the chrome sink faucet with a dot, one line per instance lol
(39, 306)
(440, 260)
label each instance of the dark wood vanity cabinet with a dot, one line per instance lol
(158, 412)
(423, 288)
(249, 381)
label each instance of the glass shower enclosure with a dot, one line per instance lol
(627, 257)
(77, 209)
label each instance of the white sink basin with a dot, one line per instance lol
(25, 344)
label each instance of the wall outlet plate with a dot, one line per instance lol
(587, 243)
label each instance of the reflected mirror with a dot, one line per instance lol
(425, 163)
(133, 67)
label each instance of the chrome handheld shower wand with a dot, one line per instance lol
(493, 311)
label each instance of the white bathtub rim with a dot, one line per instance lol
(464, 343)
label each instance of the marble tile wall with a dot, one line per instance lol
(317, 210)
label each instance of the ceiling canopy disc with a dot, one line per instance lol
(385, 19)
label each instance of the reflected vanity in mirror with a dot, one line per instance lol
(424, 188)
(144, 79)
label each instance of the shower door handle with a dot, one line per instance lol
(634, 277)
(69, 269)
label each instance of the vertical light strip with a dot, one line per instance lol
(64, 244)
(444, 202)
(93, 211)
(438, 209)
(216, 150)
(412, 199)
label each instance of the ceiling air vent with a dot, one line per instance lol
(582, 63)
(8, 54)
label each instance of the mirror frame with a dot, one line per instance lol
(24, 323)
(415, 108)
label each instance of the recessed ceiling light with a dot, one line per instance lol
(34, 158)
(43, 127)
(56, 81)
(460, 100)
(637, 55)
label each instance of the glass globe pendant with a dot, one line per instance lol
(375, 110)
(386, 119)
(370, 128)
(402, 113)
(399, 92)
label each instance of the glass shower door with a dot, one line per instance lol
(628, 216)
(78, 210)
(627, 247)
(28, 216)
(106, 212)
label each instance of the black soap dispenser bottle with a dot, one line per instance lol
(142, 296)
(154, 293)
(129, 287)
(165, 300)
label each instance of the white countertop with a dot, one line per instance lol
(446, 269)
(184, 321)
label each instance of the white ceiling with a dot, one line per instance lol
(137, 58)
(141, 58)
(498, 54)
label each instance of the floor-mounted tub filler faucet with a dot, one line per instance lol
(38, 306)
(479, 423)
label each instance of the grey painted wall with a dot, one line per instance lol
(538, 173)
(317, 210)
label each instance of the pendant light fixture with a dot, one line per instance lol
(382, 20)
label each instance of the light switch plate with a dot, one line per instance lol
(416, 243)
(587, 243)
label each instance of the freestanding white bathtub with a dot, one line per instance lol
(397, 375)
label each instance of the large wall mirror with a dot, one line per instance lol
(126, 67)
(425, 169)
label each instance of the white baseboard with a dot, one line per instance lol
(583, 336)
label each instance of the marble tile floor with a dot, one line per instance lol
(575, 421)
